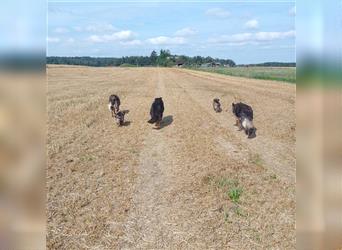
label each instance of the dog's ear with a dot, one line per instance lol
(233, 105)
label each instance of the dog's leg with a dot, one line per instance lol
(239, 124)
(158, 124)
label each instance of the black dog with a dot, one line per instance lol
(114, 104)
(156, 112)
(120, 117)
(217, 105)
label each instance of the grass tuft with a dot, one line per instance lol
(235, 193)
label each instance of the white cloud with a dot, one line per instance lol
(124, 35)
(269, 36)
(218, 12)
(164, 40)
(96, 28)
(53, 39)
(251, 38)
(252, 24)
(292, 11)
(100, 28)
(95, 39)
(132, 43)
(185, 32)
(61, 30)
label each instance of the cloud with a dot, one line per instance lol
(164, 40)
(252, 24)
(53, 40)
(61, 30)
(252, 38)
(124, 35)
(185, 32)
(96, 28)
(100, 28)
(269, 36)
(292, 11)
(132, 43)
(218, 12)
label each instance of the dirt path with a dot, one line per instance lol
(169, 188)
(146, 227)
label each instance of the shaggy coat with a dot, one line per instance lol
(156, 111)
(114, 104)
(217, 105)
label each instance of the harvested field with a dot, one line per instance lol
(197, 183)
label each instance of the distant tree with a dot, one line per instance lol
(153, 58)
(165, 59)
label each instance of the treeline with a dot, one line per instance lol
(270, 64)
(164, 59)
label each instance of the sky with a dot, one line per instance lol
(249, 32)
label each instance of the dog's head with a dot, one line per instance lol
(252, 132)
(216, 100)
(158, 100)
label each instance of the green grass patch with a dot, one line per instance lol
(231, 188)
(284, 74)
(234, 194)
(224, 182)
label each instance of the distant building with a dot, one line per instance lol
(180, 63)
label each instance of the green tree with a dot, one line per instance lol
(153, 58)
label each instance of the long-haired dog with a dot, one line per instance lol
(120, 117)
(244, 118)
(156, 112)
(247, 125)
(114, 104)
(241, 108)
(217, 105)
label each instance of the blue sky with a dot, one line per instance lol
(245, 32)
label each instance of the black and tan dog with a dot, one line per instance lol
(114, 104)
(156, 112)
(217, 105)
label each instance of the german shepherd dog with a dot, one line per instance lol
(217, 105)
(244, 118)
(120, 117)
(114, 104)
(156, 111)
